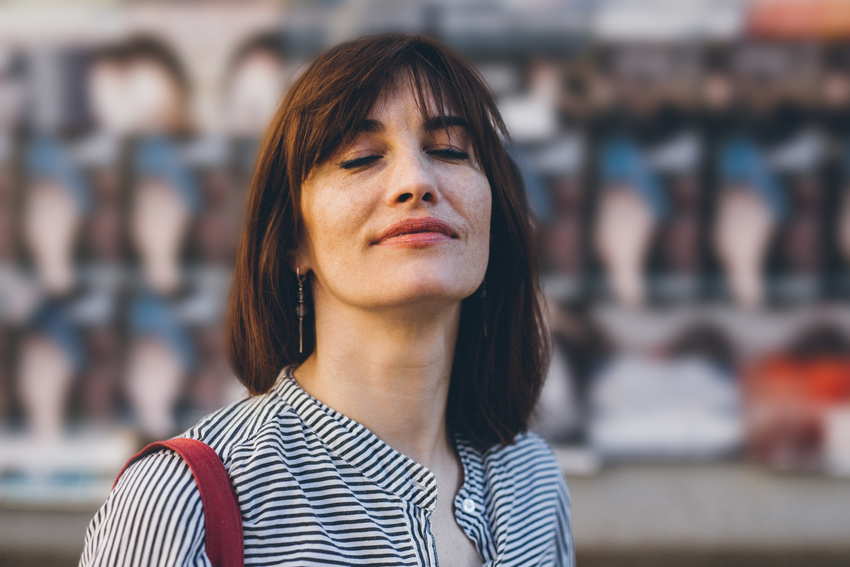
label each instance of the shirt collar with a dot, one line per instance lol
(365, 451)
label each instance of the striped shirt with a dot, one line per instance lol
(318, 488)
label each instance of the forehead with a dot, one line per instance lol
(402, 111)
(405, 91)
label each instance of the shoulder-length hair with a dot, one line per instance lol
(502, 351)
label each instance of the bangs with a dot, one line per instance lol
(357, 75)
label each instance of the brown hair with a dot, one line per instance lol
(495, 379)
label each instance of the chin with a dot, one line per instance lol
(429, 287)
(431, 281)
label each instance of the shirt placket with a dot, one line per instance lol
(470, 510)
(422, 503)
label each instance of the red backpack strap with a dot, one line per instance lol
(223, 519)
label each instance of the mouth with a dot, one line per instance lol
(417, 231)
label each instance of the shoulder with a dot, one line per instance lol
(256, 437)
(243, 422)
(527, 470)
(526, 482)
(153, 513)
(528, 460)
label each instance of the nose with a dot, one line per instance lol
(412, 179)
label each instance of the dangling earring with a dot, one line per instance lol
(484, 305)
(301, 310)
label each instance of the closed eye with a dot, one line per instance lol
(449, 153)
(445, 153)
(359, 162)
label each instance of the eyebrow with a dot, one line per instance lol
(441, 122)
(371, 126)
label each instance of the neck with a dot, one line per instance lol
(387, 370)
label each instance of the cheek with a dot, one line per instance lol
(332, 220)
(481, 206)
(476, 202)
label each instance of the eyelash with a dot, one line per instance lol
(447, 153)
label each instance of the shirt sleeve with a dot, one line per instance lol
(154, 516)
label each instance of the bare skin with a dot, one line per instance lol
(387, 310)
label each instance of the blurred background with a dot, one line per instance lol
(687, 161)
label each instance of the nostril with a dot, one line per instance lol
(428, 197)
(404, 197)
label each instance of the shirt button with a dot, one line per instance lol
(468, 505)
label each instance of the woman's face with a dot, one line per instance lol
(400, 216)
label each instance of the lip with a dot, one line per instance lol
(417, 231)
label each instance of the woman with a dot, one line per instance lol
(387, 267)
